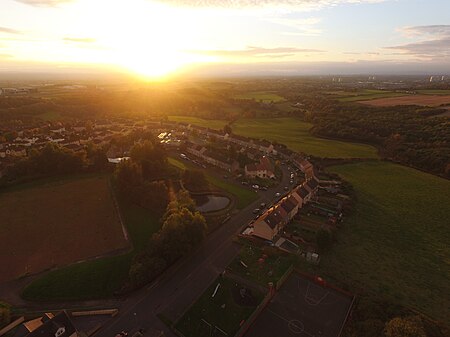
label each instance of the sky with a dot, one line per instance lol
(156, 38)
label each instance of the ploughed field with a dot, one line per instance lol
(44, 225)
(424, 100)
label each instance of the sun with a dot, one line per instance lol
(143, 37)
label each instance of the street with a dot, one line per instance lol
(173, 293)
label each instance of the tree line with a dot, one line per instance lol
(411, 135)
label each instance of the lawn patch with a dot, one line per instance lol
(263, 266)
(223, 312)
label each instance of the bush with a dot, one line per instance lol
(5, 314)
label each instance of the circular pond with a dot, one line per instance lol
(210, 202)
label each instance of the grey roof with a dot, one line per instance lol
(60, 322)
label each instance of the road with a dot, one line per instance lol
(181, 285)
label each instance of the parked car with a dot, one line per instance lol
(256, 187)
(256, 211)
(263, 205)
(286, 188)
(264, 188)
(277, 194)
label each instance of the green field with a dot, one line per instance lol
(244, 196)
(227, 318)
(97, 278)
(396, 244)
(208, 123)
(264, 96)
(294, 133)
(434, 92)
(366, 94)
(50, 116)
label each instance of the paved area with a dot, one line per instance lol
(303, 308)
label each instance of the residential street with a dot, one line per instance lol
(179, 287)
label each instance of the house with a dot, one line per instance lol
(269, 224)
(301, 193)
(253, 154)
(306, 167)
(196, 150)
(312, 185)
(264, 169)
(48, 325)
(290, 206)
(264, 146)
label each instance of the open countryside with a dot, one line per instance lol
(396, 242)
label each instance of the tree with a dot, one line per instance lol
(5, 314)
(128, 175)
(227, 129)
(151, 157)
(195, 180)
(411, 326)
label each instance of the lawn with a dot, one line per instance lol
(221, 311)
(396, 242)
(57, 222)
(244, 196)
(97, 278)
(264, 96)
(275, 265)
(434, 92)
(209, 123)
(295, 134)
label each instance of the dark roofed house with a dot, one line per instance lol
(268, 225)
(48, 326)
(290, 207)
(312, 185)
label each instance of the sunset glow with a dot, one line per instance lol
(158, 38)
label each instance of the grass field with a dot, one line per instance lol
(423, 100)
(209, 123)
(50, 116)
(97, 278)
(57, 223)
(243, 195)
(264, 96)
(210, 309)
(396, 242)
(295, 134)
(366, 94)
(434, 92)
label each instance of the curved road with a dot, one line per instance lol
(183, 283)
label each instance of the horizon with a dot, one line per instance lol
(176, 39)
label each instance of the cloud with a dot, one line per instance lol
(79, 39)
(303, 27)
(304, 4)
(435, 42)
(436, 30)
(44, 3)
(9, 30)
(252, 51)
